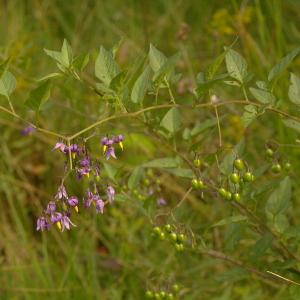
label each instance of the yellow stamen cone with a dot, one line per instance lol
(88, 175)
(104, 148)
(58, 224)
(73, 155)
(121, 145)
(76, 208)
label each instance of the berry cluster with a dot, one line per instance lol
(169, 294)
(169, 231)
(240, 176)
(277, 165)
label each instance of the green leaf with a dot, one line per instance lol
(280, 198)
(56, 55)
(81, 61)
(230, 220)
(249, 115)
(105, 67)
(292, 124)
(140, 86)
(263, 96)
(236, 65)
(166, 69)
(117, 82)
(66, 54)
(172, 120)
(7, 84)
(135, 177)
(38, 96)
(167, 162)
(49, 76)
(157, 58)
(283, 64)
(4, 66)
(294, 89)
(261, 246)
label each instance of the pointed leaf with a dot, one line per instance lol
(38, 96)
(292, 124)
(105, 67)
(135, 177)
(283, 64)
(263, 96)
(236, 65)
(167, 162)
(140, 86)
(172, 120)
(157, 58)
(7, 84)
(294, 89)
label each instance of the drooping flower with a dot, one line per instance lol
(75, 150)
(73, 201)
(161, 202)
(42, 224)
(51, 207)
(55, 217)
(119, 140)
(110, 194)
(99, 205)
(66, 223)
(61, 193)
(27, 130)
(61, 146)
(87, 201)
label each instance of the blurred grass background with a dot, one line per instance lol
(113, 256)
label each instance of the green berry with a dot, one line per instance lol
(157, 296)
(276, 168)
(157, 230)
(236, 197)
(135, 192)
(238, 164)
(173, 236)
(149, 295)
(179, 247)
(181, 238)
(200, 184)
(287, 166)
(228, 195)
(168, 227)
(175, 288)
(248, 176)
(170, 296)
(146, 181)
(234, 178)
(158, 181)
(163, 294)
(195, 183)
(162, 236)
(269, 152)
(197, 163)
(222, 192)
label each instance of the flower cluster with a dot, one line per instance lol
(108, 145)
(60, 209)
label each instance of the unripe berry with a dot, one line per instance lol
(197, 163)
(248, 176)
(170, 296)
(162, 236)
(179, 247)
(234, 178)
(157, 230)
(269, 152)
(200, 184)
(173, 236)
(168, 227)
(146, 181)
(276, 168)
(287, 166)
(157, 296)
(175, 288)
(195, 183)
(222, 192)
(228, 195)
(149, 295)
(236, 197)
(181, 238)
(238, 164)
(163, 294)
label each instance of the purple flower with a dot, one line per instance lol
(85, 171)
(51, 207)
(27, 130)
(119, 140)
(110, 193)
(55, 217)
(73, 201)
(66, 222)
(87, 201)
(99, 205)
(85, 162)
(108, 148)
(110, 152)
(42, 224)
(61, 193)
(61, 146)
(161, 202)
